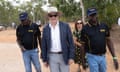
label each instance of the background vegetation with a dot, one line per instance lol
(108, 10)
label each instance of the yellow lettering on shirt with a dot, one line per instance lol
(102, 30)
(30, 30)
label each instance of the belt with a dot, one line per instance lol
(100, 54)
(56, 52)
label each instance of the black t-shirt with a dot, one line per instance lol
(27, 35)
(94, 38)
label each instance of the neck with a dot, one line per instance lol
(53, 23)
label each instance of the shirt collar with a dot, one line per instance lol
(93, 25)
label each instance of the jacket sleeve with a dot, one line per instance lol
(70, 43)
(44, 47)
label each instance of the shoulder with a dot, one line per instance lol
(102, 24)
(34, 25)
(86, 26)
(46, 26)
(18, 27)
(63, 23)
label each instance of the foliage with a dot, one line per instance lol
(10, 13)
(71, 10)
(108, 10)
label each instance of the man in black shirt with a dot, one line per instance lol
(28, 35)
(95, 36)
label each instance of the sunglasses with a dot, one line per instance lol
(79, 23)
(53, 15)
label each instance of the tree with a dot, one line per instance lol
(83, 11)
(70, 9)
(107, 9)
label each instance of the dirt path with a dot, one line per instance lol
(11, 57)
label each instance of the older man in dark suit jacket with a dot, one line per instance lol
(57, 43)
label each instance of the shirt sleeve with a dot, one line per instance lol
(18, 36)
(107, 31)
(17, 33)
(38, 31)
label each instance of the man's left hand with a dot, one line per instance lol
(116, 64)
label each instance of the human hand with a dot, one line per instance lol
(116, 64)
(45, 64)
(71, 61)
(22, 49)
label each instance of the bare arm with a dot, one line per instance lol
(20, 45)
(39, 40)
(19, 40)
(39, 36)
(112, 51)
(110, 46)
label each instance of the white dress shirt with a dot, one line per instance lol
(119, 21)
(55, 38)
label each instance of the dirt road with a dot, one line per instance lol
(11, 57)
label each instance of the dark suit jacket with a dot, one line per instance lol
(67, 43)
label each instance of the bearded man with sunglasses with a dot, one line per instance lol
(28, 35)
(57, 43)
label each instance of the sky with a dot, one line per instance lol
(14, 2)
(22, 1)
(44, 7)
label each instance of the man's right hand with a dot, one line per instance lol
(45, 64)
(22, 48)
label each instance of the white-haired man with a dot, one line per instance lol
(57, 43)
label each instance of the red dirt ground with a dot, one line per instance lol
(11, 59)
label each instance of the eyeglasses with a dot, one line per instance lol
(53, 15)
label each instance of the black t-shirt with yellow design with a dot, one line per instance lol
(28, 35)
(94, 38)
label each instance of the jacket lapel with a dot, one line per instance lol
(61, 31)
(49, 35)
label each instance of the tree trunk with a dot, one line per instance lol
(83, 11)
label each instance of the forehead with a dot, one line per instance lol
(93, 15)
(51, 13)
(24, 20)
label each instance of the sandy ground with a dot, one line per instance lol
(11, 57)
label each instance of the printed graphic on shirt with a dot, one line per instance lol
(30, 30)
(102, 30)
